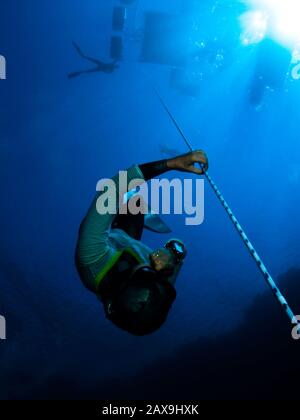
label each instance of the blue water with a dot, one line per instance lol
(60, 136)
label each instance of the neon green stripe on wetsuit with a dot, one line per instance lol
(113, 261)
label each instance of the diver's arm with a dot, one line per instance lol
(154, 169)
(185, 163)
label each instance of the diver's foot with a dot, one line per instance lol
(74, 74)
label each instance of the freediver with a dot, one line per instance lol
(100, 65)
(134, 283)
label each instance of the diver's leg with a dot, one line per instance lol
(74, 74)
(93, 70)
(93, 60)
(94, 243)
(133, 225)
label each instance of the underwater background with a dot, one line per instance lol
(226, 337)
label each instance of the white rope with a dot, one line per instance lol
(262, 268)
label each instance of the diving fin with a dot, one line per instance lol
(154, 223)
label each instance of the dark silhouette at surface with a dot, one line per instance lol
(100, 65)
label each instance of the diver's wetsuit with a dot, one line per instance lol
(101, 236)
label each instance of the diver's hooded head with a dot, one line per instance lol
(142, 305)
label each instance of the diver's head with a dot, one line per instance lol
(141, 306)
(143, 294)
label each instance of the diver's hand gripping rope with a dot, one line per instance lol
(267, 276)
